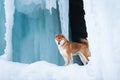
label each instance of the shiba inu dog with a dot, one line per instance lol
(68, 49)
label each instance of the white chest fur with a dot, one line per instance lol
(62, 50)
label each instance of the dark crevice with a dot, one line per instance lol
(77, 21)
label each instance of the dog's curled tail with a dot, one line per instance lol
(85, 41)
(82, 40)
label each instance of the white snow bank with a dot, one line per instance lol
(44, 71)
(10, 70)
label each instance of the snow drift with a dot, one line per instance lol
(45, 71)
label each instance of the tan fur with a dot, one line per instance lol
(68, 49)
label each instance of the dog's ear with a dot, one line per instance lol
(62, 35)
(56, 35)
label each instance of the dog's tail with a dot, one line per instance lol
(82, 40)
(85, 41)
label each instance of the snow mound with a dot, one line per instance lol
(44, 71)
(10, 70)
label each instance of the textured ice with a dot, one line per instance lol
(33, 7)
(102, 26)
(34, 32)
(2, 27)
(49, 4)
(64, 16)
(9, 12)
(30, 7)
(31, 27)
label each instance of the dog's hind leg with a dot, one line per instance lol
(83, 59)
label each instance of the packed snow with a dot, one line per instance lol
(10, 70)
(42, 70)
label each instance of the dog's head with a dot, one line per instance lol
(60, 39)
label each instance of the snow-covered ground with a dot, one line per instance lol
(10, 70)
(45, 71)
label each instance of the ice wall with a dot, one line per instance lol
(9, 11)
(64, 16)
(35, 25)
(30, 29)
(103, 26)
(2, 27)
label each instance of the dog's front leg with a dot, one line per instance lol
(70, 58)
(65, 59)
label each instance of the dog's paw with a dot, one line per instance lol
(65, 64)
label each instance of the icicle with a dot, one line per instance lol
(9, 11)
(64, 11)
(50, 4)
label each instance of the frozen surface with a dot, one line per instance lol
(30, 29)
(2, 27)
(35, 25)
(9, 12)
(64, 16)
(103, 25)
(10, 70)
(45, 71)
